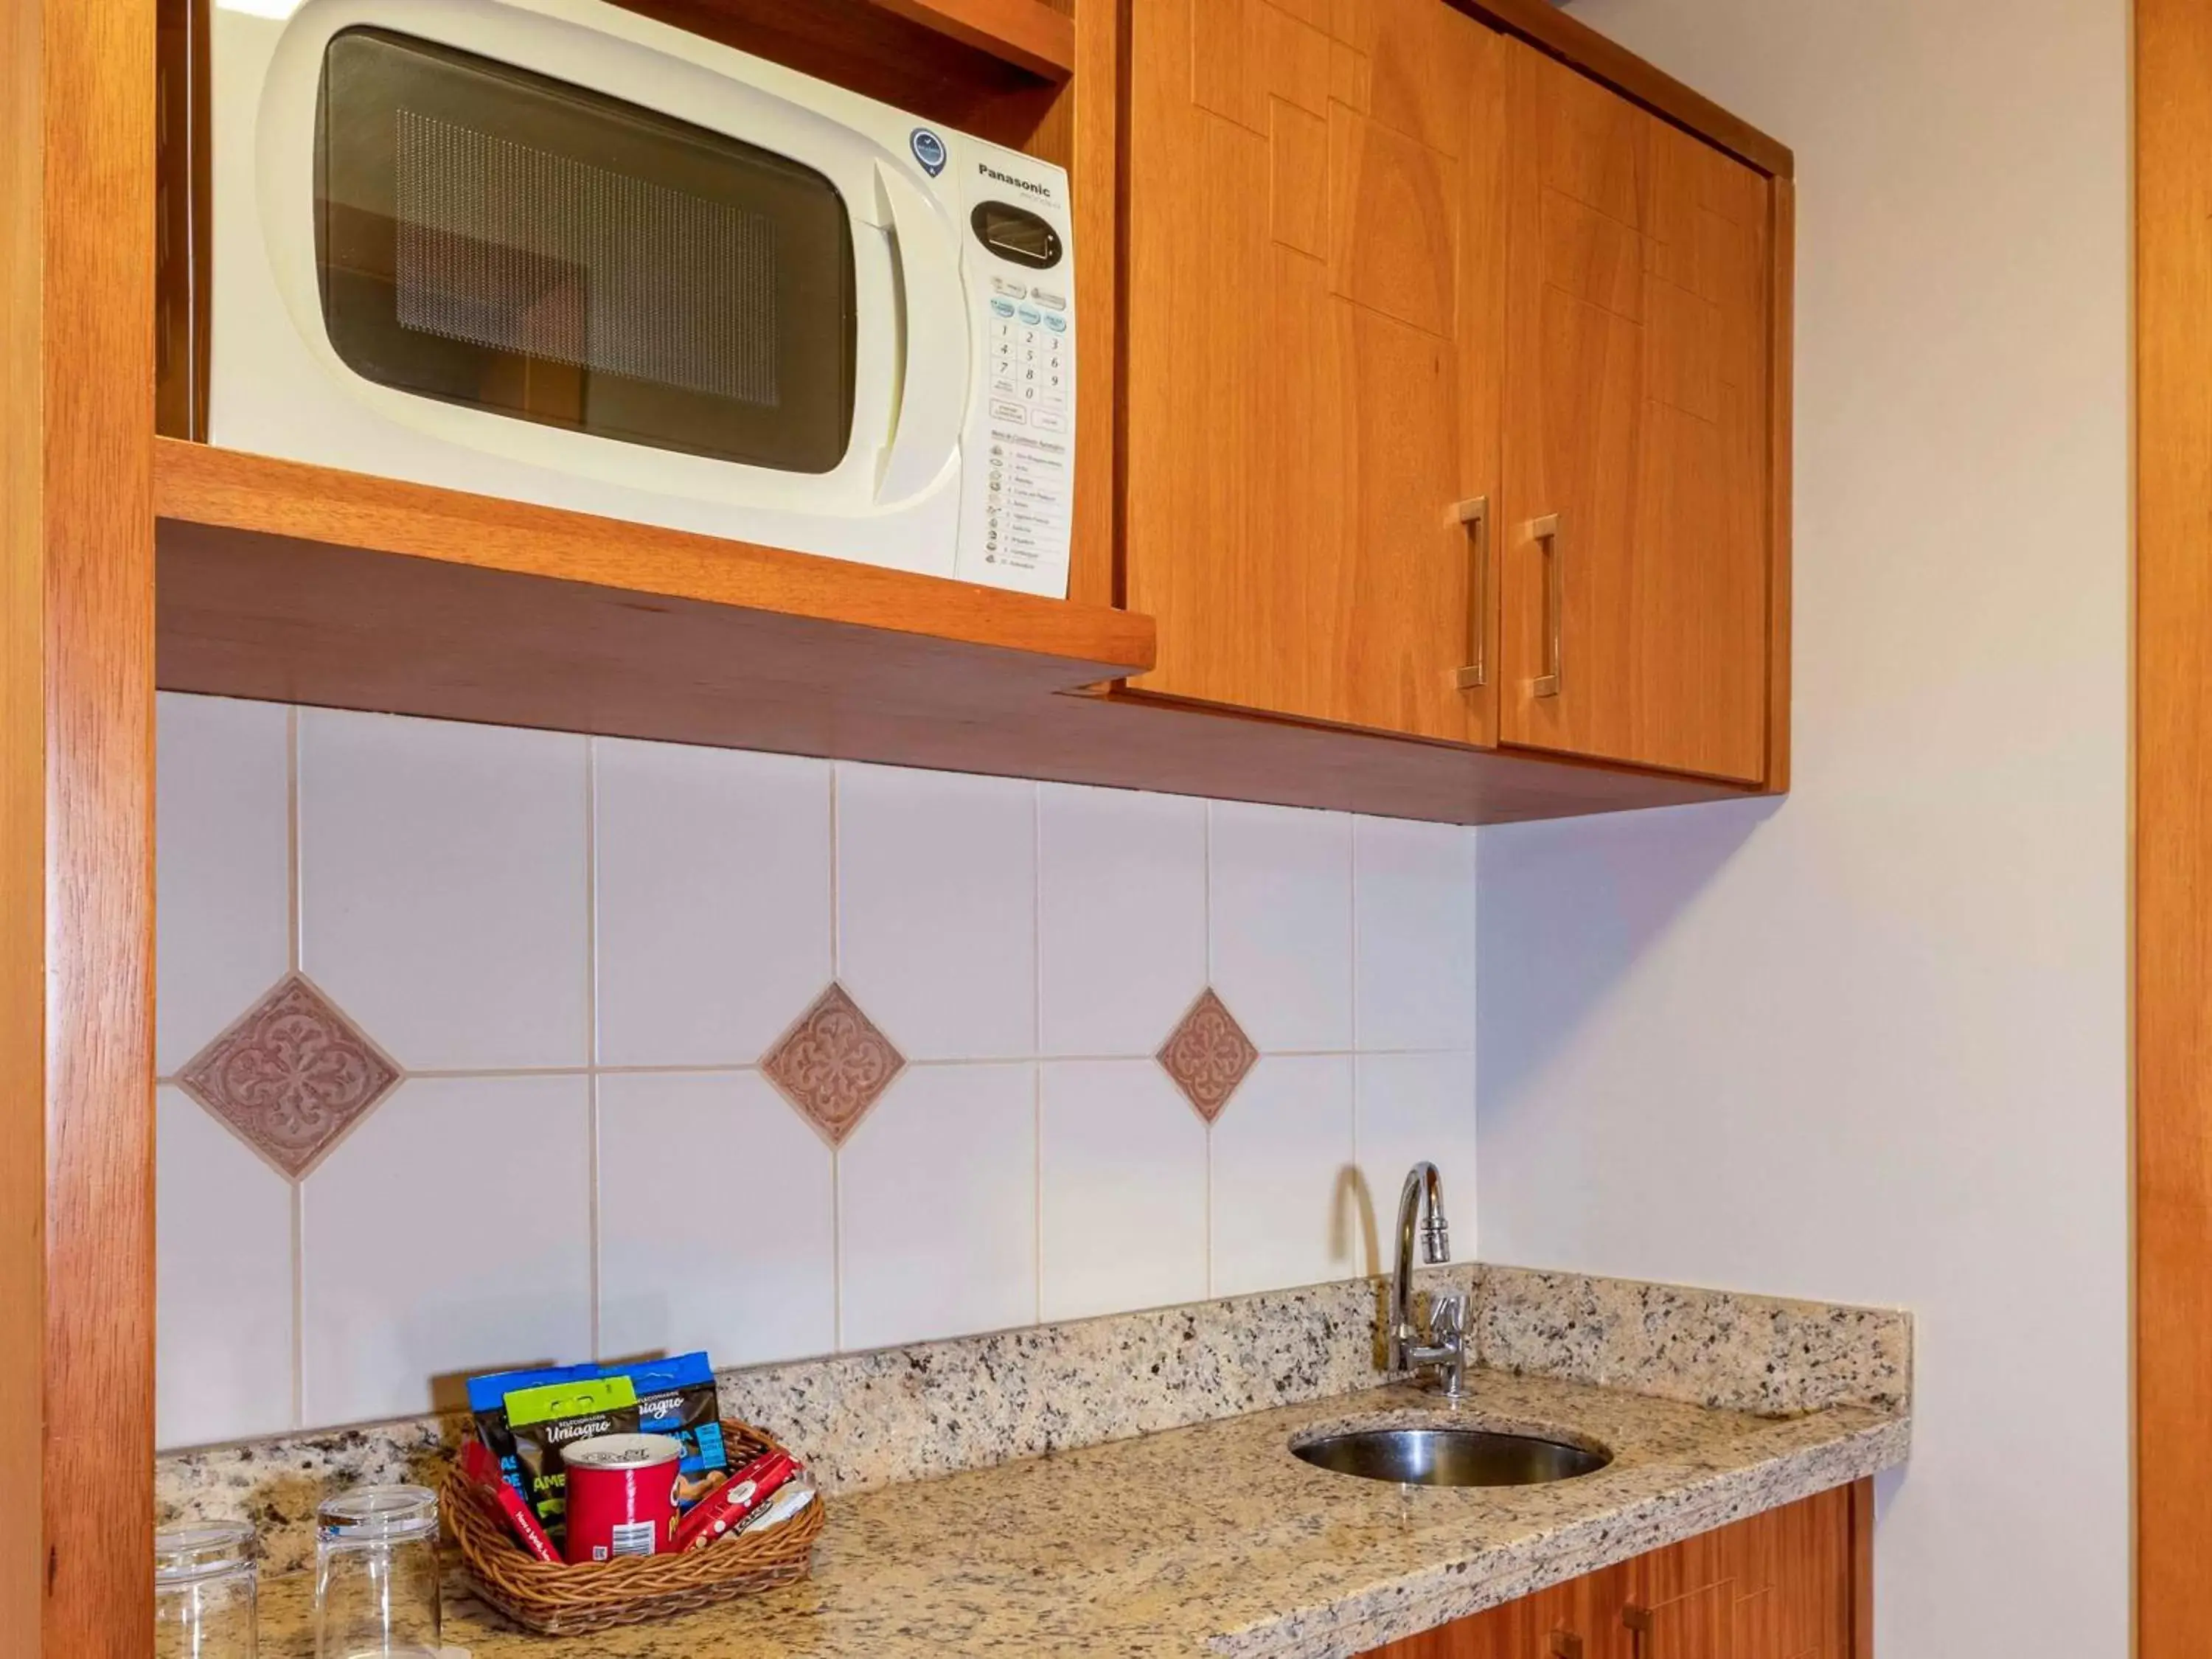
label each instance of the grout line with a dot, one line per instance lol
(1036, 1186)
(294, 922)
(836, 857)
(597, 1237)
(296, 950)
(1474, 1058)
(1351, 888)
(1206, 895)
(837, 1250)
(836, 1152)
(1037, 1041)
(1205, 902)
(498, 1071)
(678, 1069)
(712, 1067)
(299, 1305)
(592, 1018)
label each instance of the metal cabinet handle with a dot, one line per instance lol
(1475, 515)
(1566, 1644)
(1546, 530)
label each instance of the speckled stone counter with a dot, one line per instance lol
(868, 1419)
(1214, 1539)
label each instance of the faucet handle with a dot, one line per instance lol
(1447, 1316)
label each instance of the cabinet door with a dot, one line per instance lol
(1519, 1630)
(1700, 1626)
(1781, 1585)
(1777, 1586)
(1315, 217)
(1635, 541)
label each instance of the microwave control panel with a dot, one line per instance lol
(1019, 466)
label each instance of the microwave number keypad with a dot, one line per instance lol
(1027, 461)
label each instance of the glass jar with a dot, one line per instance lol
(376, 1575)
(205, 1588)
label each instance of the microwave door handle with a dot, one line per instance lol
(932, 315)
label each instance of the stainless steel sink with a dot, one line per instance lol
(1451, 1457)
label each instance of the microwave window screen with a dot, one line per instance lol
(491, 238)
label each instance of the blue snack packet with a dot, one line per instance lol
(677, 1397)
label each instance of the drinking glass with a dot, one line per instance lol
(203, 1592)
(376, 1575)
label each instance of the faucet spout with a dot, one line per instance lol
(1423, 1191)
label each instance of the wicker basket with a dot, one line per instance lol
(572, 1601)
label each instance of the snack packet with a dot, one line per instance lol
(677, 1397)
(488, 1404)
(543, 1420)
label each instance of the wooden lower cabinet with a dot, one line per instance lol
(1791, 1583)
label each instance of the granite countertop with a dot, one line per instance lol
(1214, 1539)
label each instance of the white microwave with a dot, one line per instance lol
(552, 251)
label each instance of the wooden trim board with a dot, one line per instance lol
(227, 489)
(1027, 33)
(1862, 1570)
(2172, 854)
(77, 818)
(1782, 321)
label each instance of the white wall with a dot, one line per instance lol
(1870, 1043)
(578, 958)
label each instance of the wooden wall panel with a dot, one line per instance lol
(2173, 823)
(76, 678)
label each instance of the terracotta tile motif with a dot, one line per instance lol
(833, 1065)
(291, 1076)
(1207, 1055)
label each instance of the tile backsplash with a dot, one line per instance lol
(483, 1046)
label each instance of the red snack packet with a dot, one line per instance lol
(725, 1509)
(494, 1492)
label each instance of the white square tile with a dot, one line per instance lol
(223, 1282)
(1121, 917)
(223, 864)
(1414, 1107)
(451, 1233)
(444, 892)
(711, 902)
(937, 1207)
(1413, 905)
(716, 1220)
(1281, 923)
(937, 909)
(1122, 1165)
(1285, 1210)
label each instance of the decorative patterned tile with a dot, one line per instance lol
(291, 1075)
(1207, 1055)
(833, 1065)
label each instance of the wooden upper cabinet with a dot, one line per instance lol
(1635, 534)
(1451, 400)
(1315, 239)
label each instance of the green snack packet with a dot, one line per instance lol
(545, 1419)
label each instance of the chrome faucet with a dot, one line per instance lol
(1446, 1347)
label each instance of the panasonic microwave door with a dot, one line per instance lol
(496, 240)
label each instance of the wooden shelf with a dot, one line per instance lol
(306, 584)
(302, 584)
(1028, 33)
(987, 66)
